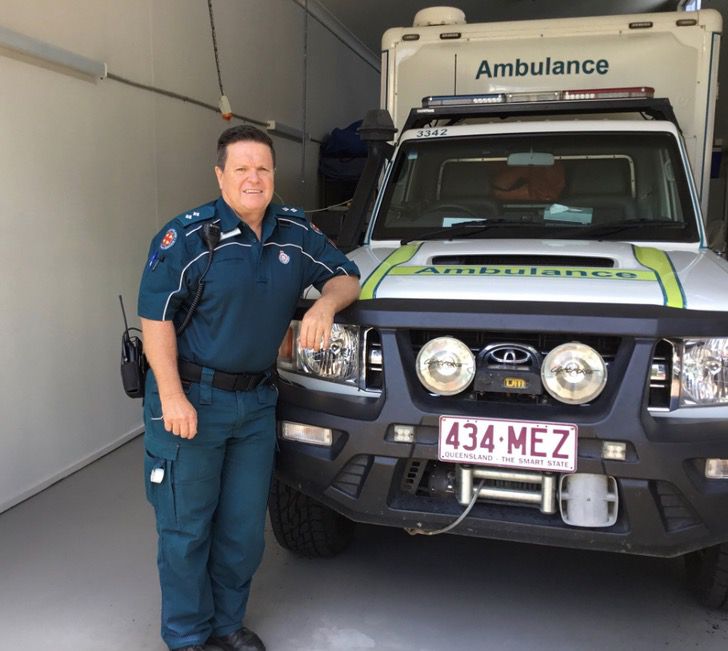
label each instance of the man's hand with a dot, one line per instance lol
(336, 294)
(160, 345)
(180, 417)
(316, 325)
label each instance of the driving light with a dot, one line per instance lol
(716, 468)
(306, 433)
(614, 450)
(403, 433)
(574, 373)
(445, 366)
(703, 369)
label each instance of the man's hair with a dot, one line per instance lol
(241, 133)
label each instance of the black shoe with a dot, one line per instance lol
(241, 640)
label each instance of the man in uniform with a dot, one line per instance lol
(209, 408)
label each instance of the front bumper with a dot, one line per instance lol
(667, 506)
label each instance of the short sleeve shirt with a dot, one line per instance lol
(251, 288)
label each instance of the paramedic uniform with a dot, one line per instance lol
(210, 492)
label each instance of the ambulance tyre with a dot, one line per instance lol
(305, 526)
(707, 574)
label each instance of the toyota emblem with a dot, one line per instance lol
(508, 354)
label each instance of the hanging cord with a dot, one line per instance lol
(214, 46)
(224, 103)
(304, 100)
(182, 98)
(333, 205)
(414, 531)
(308, 212)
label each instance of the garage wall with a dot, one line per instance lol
(89, 171)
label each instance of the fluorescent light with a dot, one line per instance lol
(47, 53)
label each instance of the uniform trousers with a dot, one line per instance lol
(209, 495)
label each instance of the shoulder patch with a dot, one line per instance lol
(170, 237)
(206, 211)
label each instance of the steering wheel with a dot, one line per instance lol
(439, 207)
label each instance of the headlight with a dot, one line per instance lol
(574, 373)
(445, 366)
(702, 366)
(339, 363)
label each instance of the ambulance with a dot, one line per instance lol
(540, 349)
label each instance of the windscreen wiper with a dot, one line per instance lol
(466, 229)
(600, 230)
(469, 228)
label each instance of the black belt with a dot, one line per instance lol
(190, 372)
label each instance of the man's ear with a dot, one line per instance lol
(218, 174)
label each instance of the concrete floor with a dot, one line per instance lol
(77, 572)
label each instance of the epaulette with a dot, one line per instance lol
(201, 213)
(289, 211)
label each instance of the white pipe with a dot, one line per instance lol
(45, 52)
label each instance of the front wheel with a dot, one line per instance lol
(305, 526)
(707, 574)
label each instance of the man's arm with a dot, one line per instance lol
(160, 347)
(336, 294)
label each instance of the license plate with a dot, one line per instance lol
(511, 443)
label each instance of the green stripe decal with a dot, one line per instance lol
(402, 254)
(672, 291)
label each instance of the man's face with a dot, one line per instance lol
(246, 182)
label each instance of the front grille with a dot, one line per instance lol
(476, 340)
(373, 367)
(543, 343)
(661, 375)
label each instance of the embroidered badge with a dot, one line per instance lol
(170, 237)
(283, 257)
(316, 229)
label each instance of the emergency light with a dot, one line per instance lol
(643, 92)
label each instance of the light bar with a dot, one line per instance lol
(534, 96)
(462, 100)
(610, 93)
(632, 92)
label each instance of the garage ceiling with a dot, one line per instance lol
(368, 19)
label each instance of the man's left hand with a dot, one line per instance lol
(316, 325)
(336, 294)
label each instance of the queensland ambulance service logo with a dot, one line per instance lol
(283, 257)
(170, 237)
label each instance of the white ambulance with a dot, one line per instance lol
(540, 352)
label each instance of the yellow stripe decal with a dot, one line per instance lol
(597, 273)
(658, 261)
(402, 254)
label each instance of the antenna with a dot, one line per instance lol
(123, 313)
